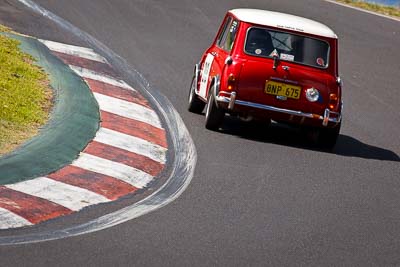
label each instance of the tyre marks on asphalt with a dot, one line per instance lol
(127, 153)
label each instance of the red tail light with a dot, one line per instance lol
(333, 101)
(231, 82)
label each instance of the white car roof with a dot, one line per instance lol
(283, 21)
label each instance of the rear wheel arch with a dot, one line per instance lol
(214, 114)
(215, 86)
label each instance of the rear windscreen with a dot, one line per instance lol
(287, 46)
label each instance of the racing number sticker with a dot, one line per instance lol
(205, 72)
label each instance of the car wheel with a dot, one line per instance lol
(195, 104)
(214, 115)
(327, 137)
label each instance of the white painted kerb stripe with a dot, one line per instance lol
(72, 50)
(9, 219)
(132, 144)
(135, 177)
(71, 197)
(90, 74)
(128, 109)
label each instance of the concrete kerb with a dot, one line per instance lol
(183, 159)
(124, 154)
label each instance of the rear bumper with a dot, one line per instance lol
(231, 102)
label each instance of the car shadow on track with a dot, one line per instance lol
(291, 136)
(349, 146)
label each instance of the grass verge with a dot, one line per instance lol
(25, 95)
(378, 8)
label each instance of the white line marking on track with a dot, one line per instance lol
(132, 144)
(73, 50)
(69, 196)
(133, 176)
(90, 74)
(9, 219)
(128, 109)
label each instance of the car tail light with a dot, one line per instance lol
(333, 101)
(231, 82)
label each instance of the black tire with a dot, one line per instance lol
(214, 115)
(327, 137)
(195, 104)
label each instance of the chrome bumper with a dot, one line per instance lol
(326, 118)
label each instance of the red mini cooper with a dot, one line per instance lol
(271, 66)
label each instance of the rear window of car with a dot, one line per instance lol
(287, 46)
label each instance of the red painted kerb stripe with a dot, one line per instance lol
(31, 208)
(134, 128)
(131, 159)
(107, 186)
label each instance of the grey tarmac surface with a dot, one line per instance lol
(258, 198)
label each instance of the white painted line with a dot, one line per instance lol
(132, 144)
(73, 50)
(128, 109)
(9, 219)
(69, 196)
(133, 176)
(90, 74)
(363, 10)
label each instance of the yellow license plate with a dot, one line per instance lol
(282, 89)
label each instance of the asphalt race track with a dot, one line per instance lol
(258, 197)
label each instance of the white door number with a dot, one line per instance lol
(205, 73)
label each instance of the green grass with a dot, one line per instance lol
(382, 9)
(25, 97)
(4, 28)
